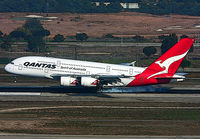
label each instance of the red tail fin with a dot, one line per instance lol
(169, 62)
(166, 65)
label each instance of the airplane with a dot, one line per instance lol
(93, 74)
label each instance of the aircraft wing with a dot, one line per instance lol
(105, 79)
(98, 76)
(129, 64)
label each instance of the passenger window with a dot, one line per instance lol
(46, 70)
(20, 67)
(88, 73)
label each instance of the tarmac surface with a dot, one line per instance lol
(67, 95)
(114, 97)
(186, 95)
(36, 136)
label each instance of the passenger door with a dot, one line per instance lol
(20, 67)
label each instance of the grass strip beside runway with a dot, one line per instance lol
(96, 118)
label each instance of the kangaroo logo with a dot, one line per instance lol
(94, 83)
(166, 64)
(74, 82)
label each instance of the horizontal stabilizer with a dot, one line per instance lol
(176, 76)
(170, 78)
(192, 78)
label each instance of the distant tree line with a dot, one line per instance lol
(35, 35)
(80, 36)
(73, 6)
(161, 7)
(32, 32)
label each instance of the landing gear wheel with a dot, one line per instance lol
(100, 88)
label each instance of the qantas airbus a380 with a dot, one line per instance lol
(93, 74)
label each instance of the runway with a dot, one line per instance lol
(114, 97)
(48, 112)
(36, 136)
(61, 89)
(94, 107)
(57, 93)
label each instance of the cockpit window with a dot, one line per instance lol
(12, 63)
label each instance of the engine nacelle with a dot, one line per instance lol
(68, 81)
(89, 81)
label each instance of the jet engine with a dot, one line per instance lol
(68, 81)
(89, 81)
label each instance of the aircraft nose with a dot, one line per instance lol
(8, 68)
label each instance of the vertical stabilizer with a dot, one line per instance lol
(166, 65)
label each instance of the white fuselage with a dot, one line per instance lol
(48, 67)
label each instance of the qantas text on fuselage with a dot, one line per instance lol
(83, 73)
